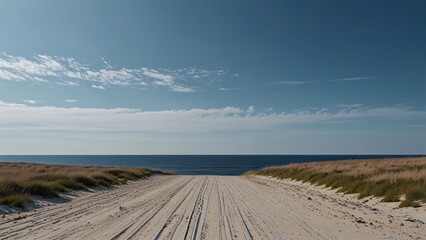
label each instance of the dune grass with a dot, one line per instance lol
(18, 181)
(392, 179)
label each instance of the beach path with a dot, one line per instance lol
(210, 207)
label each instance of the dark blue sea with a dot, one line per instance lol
(186, 164)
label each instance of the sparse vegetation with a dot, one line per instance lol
(18, 181)
(392, 179)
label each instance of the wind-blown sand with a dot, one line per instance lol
(216, 207)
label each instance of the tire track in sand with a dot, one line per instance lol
(186, 207)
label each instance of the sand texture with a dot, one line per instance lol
(215, 207)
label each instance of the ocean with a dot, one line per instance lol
(186, 164)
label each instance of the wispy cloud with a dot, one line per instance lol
(71, 100)
(182, 89)
(250, 110)
(68, 83)
(162, 79)
(347, 79)
(355, 105)
(49, 118)
(69, 72)
(30, 101)
(351, 79)
(100, 87)
(7, 75)
(230, 89)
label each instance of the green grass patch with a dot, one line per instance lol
(40, 188)
(16, 200)
(86, 181)
(106, 180)
(66, 184)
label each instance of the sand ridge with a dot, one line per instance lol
(213, 207)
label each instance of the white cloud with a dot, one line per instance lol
(68, 83)
(71, 100)
(50, 63)
(122, 77)
(107, 64)
(295, 83)
(30, 101)
(182, 89)
(355, 105)
(7, 75)
(69, 72)
(250, 109)
(49, 118)
(230, 89)
(11, 105)
(98, 87)
(41, 66)
(73, 130)
(161, 79)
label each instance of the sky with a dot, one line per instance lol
(212, 77)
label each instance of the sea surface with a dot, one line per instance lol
(186, 164)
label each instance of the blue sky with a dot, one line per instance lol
(175, 77)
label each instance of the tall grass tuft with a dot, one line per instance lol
(18, 181)
(392, 179)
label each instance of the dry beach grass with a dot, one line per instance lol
(18, 181)
(393, 179)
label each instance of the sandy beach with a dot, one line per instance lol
(216, 207)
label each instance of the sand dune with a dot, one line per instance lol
(212, 207)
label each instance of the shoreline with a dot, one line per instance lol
(233, 165)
